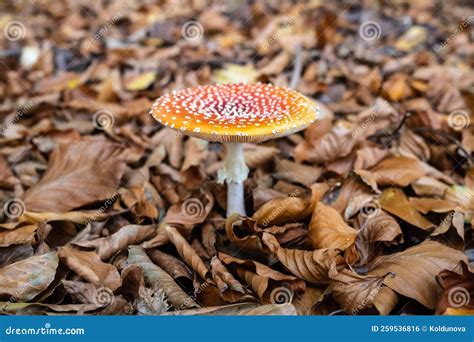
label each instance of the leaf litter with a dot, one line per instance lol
(368, 211)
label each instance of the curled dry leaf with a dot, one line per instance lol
(289, 209)
(261, 278)
(296, 172)
(427, 204)
(458, 290)
(328, 229)
(220, 272)
(355, 292)
(156, 276)
(89, 267)
(305, 303)
(93, 161)
(128, 235)
(186, 251)
(396, 202)
(258, 155)
(19, 235)
(191, 211)
(313, 266)
(25, 279)
(241, 309)
(374, 230)
(400, 171)
(329, 147)
(240, 231)
(173, 266)
(415, 270)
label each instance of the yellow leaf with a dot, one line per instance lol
(234, 73)
(141, 81)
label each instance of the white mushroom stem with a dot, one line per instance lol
(234, 172)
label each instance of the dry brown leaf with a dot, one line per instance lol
(19, 235)
(426, 204)
(258, 155)
(355, 292)
(89, 267)
(375, 229)
(186, 251)
(128, 235)
(262, 279)
(173, 266)
(400, 171)
(313, 266)
(458, 290)
(219, 271)
(296, 172)
(25, 279)
(305, 304)
(289, 209)
(241, 309)
(191, 211)
(396, 202)
(329, 147)
(156, 276)
(415, 270)
(92, 161)
(328, 229)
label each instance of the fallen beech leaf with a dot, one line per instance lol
(257, 155)
(84, 293)
(156, 276)
(415, 270)
(25, 279)
(191, 211)
(296, 172)
(429, 186)
(374, 230)
(261, 278)
(331, 146)
(426, 204)
(306, 302)
(385, 300)
(458, 290)
(368, 157)
(313, 266)
(400, 171)
(128, 235)
(328, 229)
(395, 202)
(173, 266)
(22, 234)
(186, 251)
(289, 209)
(220, 272)
(355, 292)
(92, 161)
(241, 309)
(89, 267)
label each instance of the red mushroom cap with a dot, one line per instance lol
(235, 112)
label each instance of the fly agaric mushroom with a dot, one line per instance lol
(234, 114)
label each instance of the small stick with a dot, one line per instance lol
(298, 67)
